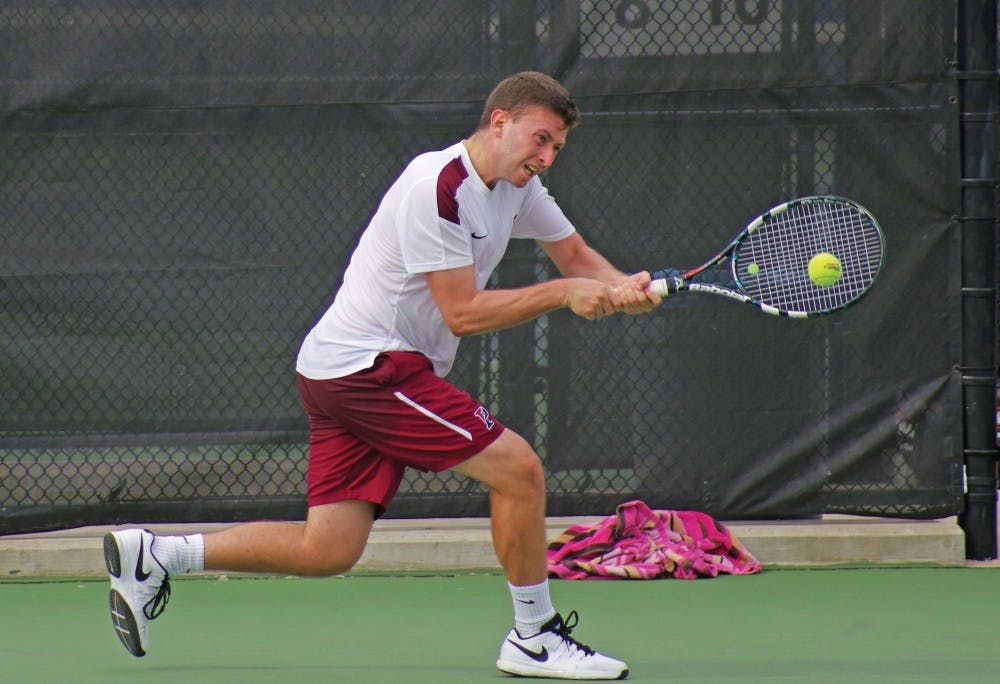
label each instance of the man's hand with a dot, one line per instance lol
(588, 298)
(592, 299)
(632, 295)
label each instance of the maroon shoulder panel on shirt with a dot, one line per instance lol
(449, 179)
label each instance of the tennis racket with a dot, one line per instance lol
(768, 264)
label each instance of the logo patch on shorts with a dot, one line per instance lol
(484, 415)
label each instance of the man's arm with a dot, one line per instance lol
(575, 258)
(467, 310)
(591, 287)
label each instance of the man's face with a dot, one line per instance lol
(529, 144)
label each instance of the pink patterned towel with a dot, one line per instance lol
(640, 543)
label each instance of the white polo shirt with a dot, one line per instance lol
(437, 215)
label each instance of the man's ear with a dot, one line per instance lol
(499, 119)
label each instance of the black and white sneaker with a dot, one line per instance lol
(140, 586)
(553, 653)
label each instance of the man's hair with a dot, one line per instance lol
(527, 89)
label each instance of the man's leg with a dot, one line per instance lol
(540, 645)
(329, 543)
(513, 472)
(140, 564)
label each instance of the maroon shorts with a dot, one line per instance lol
(365, 429)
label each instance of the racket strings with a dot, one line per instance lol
(772, 262)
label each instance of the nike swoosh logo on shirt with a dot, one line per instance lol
(479, 237)
(140, 576)
(539, 657)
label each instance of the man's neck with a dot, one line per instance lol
(477, 146)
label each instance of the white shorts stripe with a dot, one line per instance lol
(433, 416)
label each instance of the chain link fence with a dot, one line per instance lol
(183, 184)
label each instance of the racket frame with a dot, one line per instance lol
(669, 285)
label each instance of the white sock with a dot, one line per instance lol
(532, 607)
(180, 555)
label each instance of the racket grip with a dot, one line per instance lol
(666, 286)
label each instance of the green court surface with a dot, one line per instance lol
(885, 625)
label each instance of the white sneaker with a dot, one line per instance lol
(140, 586)
(553, 653)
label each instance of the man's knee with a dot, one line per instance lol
(335, 536)
(327, 562)
(509, 465)
(529, 471)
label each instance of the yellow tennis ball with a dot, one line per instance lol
(825, 269)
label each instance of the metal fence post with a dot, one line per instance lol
(977, 92)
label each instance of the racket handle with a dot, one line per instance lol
(666, 286)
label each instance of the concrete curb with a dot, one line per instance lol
(465, 543)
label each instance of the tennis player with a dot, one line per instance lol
(371, 377)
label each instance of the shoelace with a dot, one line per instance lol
(564, 627)
(155, 606)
